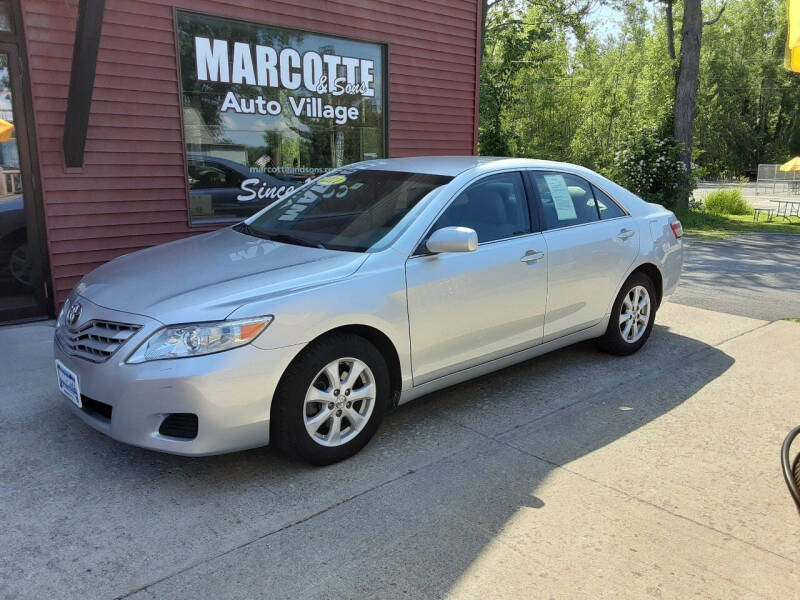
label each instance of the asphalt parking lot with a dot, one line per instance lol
(754, 275)
(575, 475)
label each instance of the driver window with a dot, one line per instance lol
(495, 207)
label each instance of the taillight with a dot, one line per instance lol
(677, 229)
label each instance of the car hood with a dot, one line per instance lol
(208, 276)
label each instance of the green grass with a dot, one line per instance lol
(727, 202)
(793, 320)
(697, 222)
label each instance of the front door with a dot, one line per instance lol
(22, 292)
(467, 308)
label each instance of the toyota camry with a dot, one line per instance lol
(363, 289)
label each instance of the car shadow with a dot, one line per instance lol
(419, 505)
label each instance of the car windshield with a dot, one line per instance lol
(348, 209)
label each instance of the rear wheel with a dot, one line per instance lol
(632, 316)
(330, 400)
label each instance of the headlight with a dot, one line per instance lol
(196, 339)
(62, 315)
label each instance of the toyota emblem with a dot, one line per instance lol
(74, 313)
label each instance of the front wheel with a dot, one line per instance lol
(330, 400)
(632, 317)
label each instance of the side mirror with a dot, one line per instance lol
(453, 239)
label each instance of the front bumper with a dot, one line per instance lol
(230, 392)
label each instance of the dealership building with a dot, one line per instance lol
(130, 123)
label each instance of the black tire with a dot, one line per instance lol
(287, 424)
(613, 341)
(13, 249)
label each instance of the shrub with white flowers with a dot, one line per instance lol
(649, 165)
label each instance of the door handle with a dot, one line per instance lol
(624, 234)
(532, 256)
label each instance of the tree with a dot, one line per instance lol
(526, 42)
(670, 24)
(687, 81)
(547, 93)
(686, 84)
(568, 12)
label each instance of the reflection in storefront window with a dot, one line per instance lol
(15, 268)
(5, 15)
(265, 109)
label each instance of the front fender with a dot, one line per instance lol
(372, 297)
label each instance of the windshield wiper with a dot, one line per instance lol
(285, 238)
(245, 229)
(292, 239)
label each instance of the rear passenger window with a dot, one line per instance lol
(607, 207)
(566, 200)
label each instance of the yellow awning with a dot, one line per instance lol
(6, 130)
(792, 165)
(792, 60)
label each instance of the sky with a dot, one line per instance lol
(605, 21)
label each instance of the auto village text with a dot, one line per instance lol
(287, 69)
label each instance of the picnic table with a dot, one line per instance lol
(786, 209)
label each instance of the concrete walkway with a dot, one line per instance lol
(575, 475)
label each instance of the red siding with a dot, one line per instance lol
(131, 192)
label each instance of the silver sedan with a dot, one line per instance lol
(366, 288)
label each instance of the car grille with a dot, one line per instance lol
(96, 340)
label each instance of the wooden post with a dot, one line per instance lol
(81, 83)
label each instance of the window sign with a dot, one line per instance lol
(562, 200)
(266, 109)
(566, 200)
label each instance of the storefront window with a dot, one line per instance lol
(5, 15)
(266, 108)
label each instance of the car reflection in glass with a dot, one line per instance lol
(15, 267)
(223, 189)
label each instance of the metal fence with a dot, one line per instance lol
(10, 181)
(774, 182)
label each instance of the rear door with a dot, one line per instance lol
(467, 308)
(591, 242)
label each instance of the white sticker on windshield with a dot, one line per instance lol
(562, 200)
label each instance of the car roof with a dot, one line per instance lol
(454, 165)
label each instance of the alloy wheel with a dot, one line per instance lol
(634, 314)
(339, 402)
